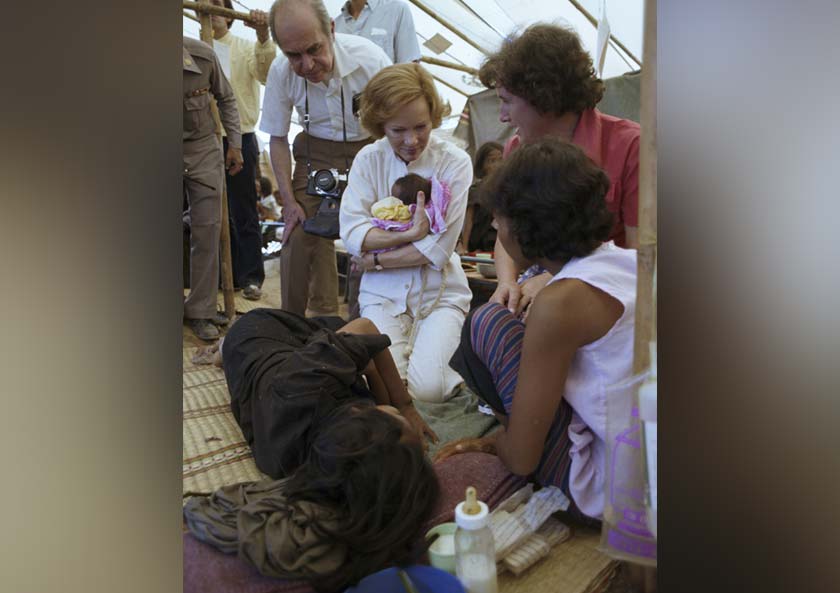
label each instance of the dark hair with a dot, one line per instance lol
(548, 67)
(265, 186)
(405, 188)
(483, 153)
(380, 484)
(553, 196)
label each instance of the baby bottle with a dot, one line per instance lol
(475, 552)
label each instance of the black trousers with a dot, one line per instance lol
(245, 235)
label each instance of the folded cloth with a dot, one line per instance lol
(255, 521)
(211, 528)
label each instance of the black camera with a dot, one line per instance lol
(326, 183)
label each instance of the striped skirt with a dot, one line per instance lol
(488, 359)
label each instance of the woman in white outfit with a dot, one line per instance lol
(413, 287)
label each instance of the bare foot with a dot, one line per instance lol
(211, 354)
(205, 354)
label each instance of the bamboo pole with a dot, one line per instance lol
(443, 82)
(643, 578)
(448, 25)
(203, 8)
(451, 65)
(191, 17)
(645, 310)
(594, 22)
(226, 263)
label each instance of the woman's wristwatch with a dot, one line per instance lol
(376, 265)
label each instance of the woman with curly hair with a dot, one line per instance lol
(548, 88)
(546, 378)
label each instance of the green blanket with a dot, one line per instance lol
(456, 418)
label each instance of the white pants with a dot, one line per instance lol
(427, 369)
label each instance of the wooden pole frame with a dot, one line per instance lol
(454, 88)
(448, 25)
(204, 8)
(644, 577)
(645, 309)
(594, 22)
(451, 65)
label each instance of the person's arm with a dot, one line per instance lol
(406, 46)
(281, 162)
(385, 382)
(362, 191)
(226, 102)
(567, 315)
(507, 291)
(264, 51)
(456, 171)
(406, 256)
(529, 289)
(377, 238)
(465, 234)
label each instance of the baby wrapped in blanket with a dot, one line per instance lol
(395, 212)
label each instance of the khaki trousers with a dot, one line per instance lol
(203, 179)
(308, 273)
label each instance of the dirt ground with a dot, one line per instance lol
(270, 298)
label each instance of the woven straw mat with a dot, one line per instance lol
(573, 566)
(215, 452)
(216, 455)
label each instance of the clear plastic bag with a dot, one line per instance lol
(624, 533)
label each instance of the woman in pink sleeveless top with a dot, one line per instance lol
(546, 378)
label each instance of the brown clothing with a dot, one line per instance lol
(309, 260)
(203, 78)
(255, 521)
(204, 170)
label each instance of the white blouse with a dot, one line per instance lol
(398, 290)
(596, 370)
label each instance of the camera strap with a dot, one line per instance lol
(306, 124)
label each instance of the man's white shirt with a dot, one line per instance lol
(357, 60)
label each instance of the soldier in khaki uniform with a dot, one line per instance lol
(203, 178)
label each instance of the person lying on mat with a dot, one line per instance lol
(357, 505)
(286, 373)
(547, 378)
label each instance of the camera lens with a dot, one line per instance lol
(325, 180)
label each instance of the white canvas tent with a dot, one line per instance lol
(486, 23)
